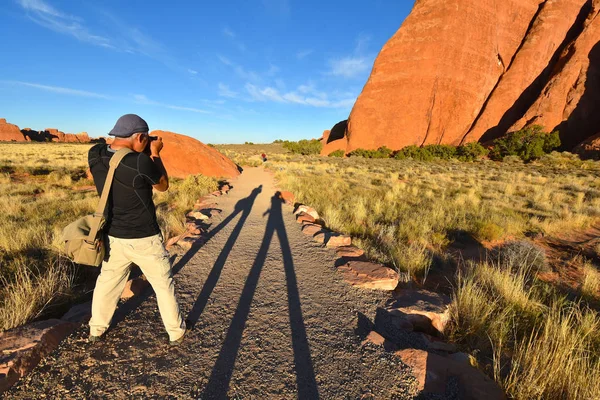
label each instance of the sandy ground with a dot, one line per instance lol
(273, 320)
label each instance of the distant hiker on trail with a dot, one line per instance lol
(133, 232)
(264, 157)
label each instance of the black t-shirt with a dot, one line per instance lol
(130, 211)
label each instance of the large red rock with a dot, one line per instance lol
(530, 67)
(183, 156)
(570, 101)
(473, 70)
(10, 132)
(432, 78)
(58, 136)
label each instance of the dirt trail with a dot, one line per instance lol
(273, 321)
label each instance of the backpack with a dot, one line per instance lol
(83, 238)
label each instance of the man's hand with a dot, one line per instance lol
(156, 146)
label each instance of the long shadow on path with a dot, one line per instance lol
(220, 377)
(244, 206)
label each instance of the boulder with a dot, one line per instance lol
(183, 156)
(427, 311)
(303, 217)
(334, 139)
(378, 340)
(22, 348)
(590, 148)
(197, 215)
(287, 197)
(432, 372)
(393, 327)
(338, 240)
(369, 275)
(10, 132)
(349, 252)
(311, 229)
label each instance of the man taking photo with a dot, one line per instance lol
(133, 232)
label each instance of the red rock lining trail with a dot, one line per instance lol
(273, 320)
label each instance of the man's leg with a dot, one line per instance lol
(109, 286)
(150, 255)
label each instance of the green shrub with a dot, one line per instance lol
(304, 147)
(471, 152)
(441, 151)
(337, 153)
(414, 152)
(529, 144)
(382, 152)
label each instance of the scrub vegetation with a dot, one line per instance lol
(44, 187)
(537, 338)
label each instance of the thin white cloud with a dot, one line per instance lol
(224, 91)
(353, 65)
(316, 99)
(60, 90)
(228, 32)
(349, 67)
(49, 17)
(142, 99)
(302, 54)
(240, 71)
(192, 71)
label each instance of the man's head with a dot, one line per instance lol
(131, 131)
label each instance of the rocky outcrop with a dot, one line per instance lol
(10, 132)
(463, 71)
(334, 139)
(183, 155)
(570, 100)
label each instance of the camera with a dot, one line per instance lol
(152, 138)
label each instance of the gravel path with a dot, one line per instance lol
(273, 320)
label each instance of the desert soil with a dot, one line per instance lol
(273, 320)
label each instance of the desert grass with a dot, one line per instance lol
(405, 213)
(536, 343)
(43, 187)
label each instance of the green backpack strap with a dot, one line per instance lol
(99, 214)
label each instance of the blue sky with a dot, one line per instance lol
(223, 72)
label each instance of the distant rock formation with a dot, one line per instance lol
(473, 70)
(10, 132)
(334, 139)
(183, 155)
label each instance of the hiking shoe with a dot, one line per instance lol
(188, 327)
(94, 339)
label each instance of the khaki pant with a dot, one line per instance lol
(150, 255)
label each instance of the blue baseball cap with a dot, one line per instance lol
(127, 125)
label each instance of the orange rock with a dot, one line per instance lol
(311, 229)
(338, 240)
(22, 348)
(589, 149)
(570, 101)
(303, 217)
(349, 251)
(134, 287)
(526, 72)
(369, 275)
(10, 132)
(432, 78)
(335, 139)
(183, 156)
(427, 311)
(287, 197)
(432, 372)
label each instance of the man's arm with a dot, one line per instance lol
(155, 148)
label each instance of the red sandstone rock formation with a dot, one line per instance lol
(570, 101)
(183, 155)
(68, 137)
(10, 132)
(470, 70)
